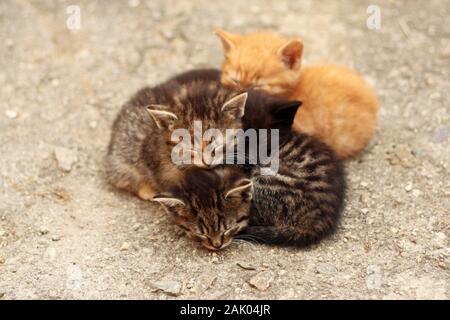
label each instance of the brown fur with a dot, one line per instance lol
(339, 107)
(139, 153)
(211, 206)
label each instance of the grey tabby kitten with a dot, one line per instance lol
(139, 153)
(301, 203)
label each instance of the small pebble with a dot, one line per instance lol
(440, 239)
(12, 114)
(2, 260)
(408, 187)
(441, 235)
(43, 231)
(326, 268)
(125, 246)
(261, 281)
(203, 283)
(66, 158)
(246, 266)
(172, 288)
(55, 82)
(56, 238)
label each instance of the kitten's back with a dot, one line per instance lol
(301, 204)
(339, 108)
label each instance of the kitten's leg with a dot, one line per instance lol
(127, 177)
(145, 191)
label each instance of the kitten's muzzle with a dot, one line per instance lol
(215, 244)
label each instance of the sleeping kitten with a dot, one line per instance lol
(139, 156)
(339, 107)
(211, 206)
(297, 206)
(301, 203)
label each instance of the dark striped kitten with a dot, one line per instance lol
(211, 206)
(301, 203)
(139, 154)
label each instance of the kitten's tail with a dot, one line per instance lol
(284, 236)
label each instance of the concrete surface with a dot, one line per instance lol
(65, 234)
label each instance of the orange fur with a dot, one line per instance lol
(339, 107)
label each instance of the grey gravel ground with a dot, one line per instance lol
(64, 233)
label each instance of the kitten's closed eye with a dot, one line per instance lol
(234, 80)
(231, 231)
(200, 236)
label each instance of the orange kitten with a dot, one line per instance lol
(339, 107)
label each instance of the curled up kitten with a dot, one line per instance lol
(211, 206)
(339, 107)
(139, 157)
(296, 206)
(300, 203)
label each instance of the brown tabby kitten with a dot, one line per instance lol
(212, 206)
(301, 203)
(139, 153)
(297, 206)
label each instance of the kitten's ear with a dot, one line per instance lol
(243, 188)
(168, 200)
(235, 107)
(291, 53)
(286, 112)
(228, 39)
(162, 117)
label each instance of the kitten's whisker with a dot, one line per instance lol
(243, 242)
(248, 237)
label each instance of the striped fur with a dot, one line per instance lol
(301, 204)
(211, 206)
(139, 153)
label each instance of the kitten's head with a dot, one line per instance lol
(261, 61)
(265, 111)
(211, 206)
(198, 131)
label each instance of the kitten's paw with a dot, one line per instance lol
(146, 192)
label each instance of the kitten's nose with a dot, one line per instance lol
(216, 243)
